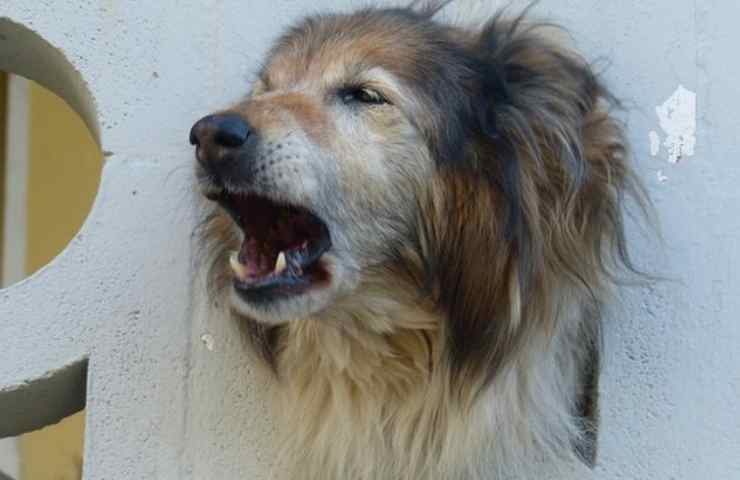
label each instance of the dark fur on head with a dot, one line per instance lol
(535, 163)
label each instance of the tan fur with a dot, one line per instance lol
(459, 337)
(366, 395)
(265, 115)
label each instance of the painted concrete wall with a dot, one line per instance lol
(170, 392)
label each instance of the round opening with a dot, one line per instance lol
(50, 159)
(50, 167)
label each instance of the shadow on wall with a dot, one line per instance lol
(50, 168)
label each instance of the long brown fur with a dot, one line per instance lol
(469, 347)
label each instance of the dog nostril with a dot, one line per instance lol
(193, 136)
(201, 130)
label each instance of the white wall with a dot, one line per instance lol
(119, 302)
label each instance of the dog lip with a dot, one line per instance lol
(213, 195)
(280, 286)
(303, 266)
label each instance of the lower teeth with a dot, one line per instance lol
(280, 263)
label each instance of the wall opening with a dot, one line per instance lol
(50, 168)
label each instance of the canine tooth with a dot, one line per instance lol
(280, 263)
(236, 266)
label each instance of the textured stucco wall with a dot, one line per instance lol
(170, 392)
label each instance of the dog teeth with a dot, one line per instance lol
(236, 266)
(280, 263)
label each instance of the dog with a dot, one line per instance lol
(419, 226)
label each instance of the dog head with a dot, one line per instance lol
(322, 166)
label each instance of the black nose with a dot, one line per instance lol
(225, 130)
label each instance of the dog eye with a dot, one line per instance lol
(364, 95)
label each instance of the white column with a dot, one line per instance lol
(14, 217)
(16, 181)
(8, 458)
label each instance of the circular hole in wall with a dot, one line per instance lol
(50, 166)
(50, 159)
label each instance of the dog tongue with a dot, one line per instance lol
(257, 257)
(273, 249)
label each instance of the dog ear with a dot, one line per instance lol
(587, 407)
(529, 224)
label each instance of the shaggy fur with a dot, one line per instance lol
(476, 223)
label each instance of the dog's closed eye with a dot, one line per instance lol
(354, 95)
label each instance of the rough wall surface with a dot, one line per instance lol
(169, 390)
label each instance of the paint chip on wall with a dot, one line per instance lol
(208, 341)
(677, 118)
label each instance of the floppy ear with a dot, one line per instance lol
(527, 227)
(587, 407)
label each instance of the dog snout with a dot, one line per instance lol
(224, 143)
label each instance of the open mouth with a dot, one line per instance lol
(282, 248)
